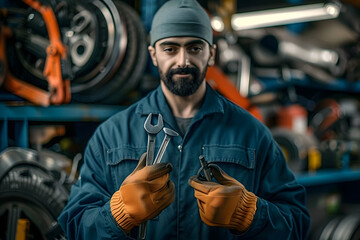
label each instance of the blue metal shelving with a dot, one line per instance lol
(61, 113)
(270, 84)
(333, 176)
(20, 116)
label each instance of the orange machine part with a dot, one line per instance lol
(333, 115)
(293, 117)
(221, 83)
(16, 86)
(59, 89)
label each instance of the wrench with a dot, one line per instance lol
(151, 130)
(169, 133)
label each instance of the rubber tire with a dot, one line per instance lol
(29, 188)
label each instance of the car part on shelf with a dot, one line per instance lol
(106, 45)
(300, 150)
(53, 71)
(42, 134)
(234, 60)
(332, 154)
(220, 82)
(293, 117)
(48, 159)
(350, 14)
(344, 227)
(276, 49)
(340, 154)
(326, 118)
(353, 67)
(30, 191)
(119, 55)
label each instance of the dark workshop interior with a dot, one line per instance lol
(68, 65)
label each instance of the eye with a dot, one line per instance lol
(169, 50)
(195, 49)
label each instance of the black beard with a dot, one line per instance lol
(184, 86)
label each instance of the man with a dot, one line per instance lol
(252, 195)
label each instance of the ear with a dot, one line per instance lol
(211, 61)
(152, 55)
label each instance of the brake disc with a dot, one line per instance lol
(126, 74)
(97, 42)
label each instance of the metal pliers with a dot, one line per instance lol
(205, 171)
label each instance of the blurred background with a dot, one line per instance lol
(66, 66)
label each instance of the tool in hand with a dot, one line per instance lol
(206, 168)
(169, 133)
(152, 131)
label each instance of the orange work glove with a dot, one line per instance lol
(143, 194)
(225, 204)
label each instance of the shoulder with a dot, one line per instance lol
(236, 112)
(241, 121)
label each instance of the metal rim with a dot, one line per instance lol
(130, 71)
(115, 49)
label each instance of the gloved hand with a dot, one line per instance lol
(143, 194)
(225, 204)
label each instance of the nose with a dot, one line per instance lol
(183, 59)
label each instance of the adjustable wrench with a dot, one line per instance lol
(151, 130)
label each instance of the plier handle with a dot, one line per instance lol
(206, 167)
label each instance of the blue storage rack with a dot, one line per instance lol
(20, 116)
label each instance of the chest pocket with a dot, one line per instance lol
(122, 161)
(237, 161)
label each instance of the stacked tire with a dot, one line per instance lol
(30, 193)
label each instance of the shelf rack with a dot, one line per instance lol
(270, 84)
(20, 116)
(328, 176)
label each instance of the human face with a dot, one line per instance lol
(182, 63)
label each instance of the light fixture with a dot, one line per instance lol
(217, 24)
(287, 15)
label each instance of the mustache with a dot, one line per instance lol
(186, 70)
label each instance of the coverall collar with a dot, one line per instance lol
(157, 103)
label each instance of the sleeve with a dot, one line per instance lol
(281, 206)
(87, 214)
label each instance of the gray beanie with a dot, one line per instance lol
(181, 18)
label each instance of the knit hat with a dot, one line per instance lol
(181, 18)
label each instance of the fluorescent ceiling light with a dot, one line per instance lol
(282, 16)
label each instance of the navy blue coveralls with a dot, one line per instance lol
(226, 135)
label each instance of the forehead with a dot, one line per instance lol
(181, 41)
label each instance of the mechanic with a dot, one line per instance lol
(251, 193)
